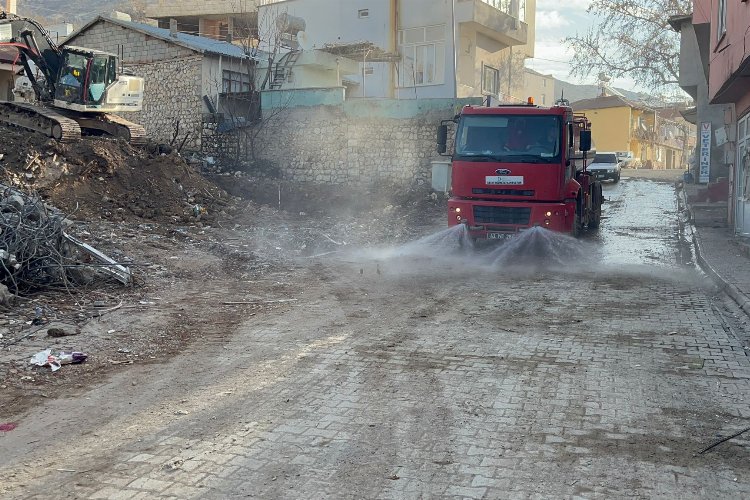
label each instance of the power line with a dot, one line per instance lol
(549, 60)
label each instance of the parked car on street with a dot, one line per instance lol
(605, 166)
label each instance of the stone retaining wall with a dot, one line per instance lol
(334, 145)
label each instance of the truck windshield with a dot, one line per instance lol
(531, 139)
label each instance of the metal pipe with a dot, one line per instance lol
(455, 50)
(221, 84)
(393, 47)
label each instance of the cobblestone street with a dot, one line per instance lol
(430, 377)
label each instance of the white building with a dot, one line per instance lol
(404, 48)
(412, 52)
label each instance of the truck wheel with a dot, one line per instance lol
(617, 179)
(596, 206)
(596, 218)
(575, 232)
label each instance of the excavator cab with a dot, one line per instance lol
(84, 76)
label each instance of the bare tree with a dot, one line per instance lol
(511, 72)
(238, 109)
(633, 40)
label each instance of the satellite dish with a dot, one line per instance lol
(303, 40)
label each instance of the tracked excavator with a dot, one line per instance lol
(77, 89)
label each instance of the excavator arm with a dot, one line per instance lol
(34, 45)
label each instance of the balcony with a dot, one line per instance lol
(499, 20)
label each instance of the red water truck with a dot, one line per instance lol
(519, 166)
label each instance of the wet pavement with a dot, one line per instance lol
(640, 224)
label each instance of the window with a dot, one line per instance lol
(544, 100)
(490, 80)
(721, 21)
(422, 56)
(100, 76)
(233, 82)
(363, 13)
(544, 83)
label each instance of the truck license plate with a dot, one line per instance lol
(504, 180)
(500, 236)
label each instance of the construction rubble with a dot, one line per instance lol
(129, 254)
(36, 252)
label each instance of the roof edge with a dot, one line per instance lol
(134, 26)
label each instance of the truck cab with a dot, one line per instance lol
(521, 166)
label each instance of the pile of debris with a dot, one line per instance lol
(36, 252)
(101, 178)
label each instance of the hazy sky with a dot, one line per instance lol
(556, 19)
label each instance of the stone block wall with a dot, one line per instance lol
(171, 93)
(172, 77)
(326, 144)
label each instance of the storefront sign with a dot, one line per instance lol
(705, 158)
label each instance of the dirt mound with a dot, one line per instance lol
(107, 178)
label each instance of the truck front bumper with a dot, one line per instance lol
(501, 220)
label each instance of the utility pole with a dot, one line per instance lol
(455, 49)
(510, 71)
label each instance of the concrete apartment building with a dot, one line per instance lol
(539, 86)
(405, 49)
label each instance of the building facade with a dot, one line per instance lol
(694, 72)
(538, 86)
(186, 77)
(729, 70)
(412, 48)
(714, 68)
(620, 125)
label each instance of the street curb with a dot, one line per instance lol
(742, 300)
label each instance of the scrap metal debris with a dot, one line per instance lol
(36, 252)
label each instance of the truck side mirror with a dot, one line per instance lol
(585, 142)
(442, 138)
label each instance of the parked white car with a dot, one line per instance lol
(605, 166)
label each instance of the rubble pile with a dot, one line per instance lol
(108, 179)
(36, 252)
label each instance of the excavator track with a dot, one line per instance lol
(112, 125)
(40, 119)
(136, 133)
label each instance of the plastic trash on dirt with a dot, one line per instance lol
(57, 359)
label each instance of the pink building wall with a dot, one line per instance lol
(728, 53)
(701, 11)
